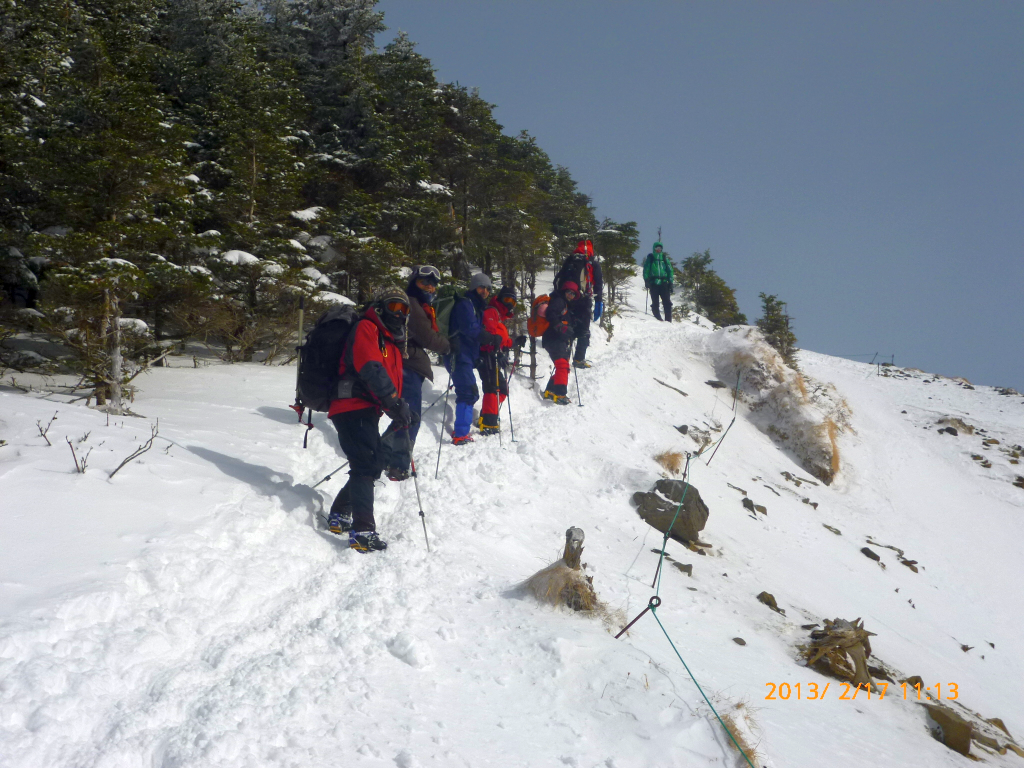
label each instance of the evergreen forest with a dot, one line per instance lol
(191, 169)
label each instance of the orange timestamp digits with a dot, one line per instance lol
(814, 692)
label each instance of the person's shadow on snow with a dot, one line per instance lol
(267, 481)
(287, 416)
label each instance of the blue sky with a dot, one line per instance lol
(863, 161)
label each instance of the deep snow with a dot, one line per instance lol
(189, 613)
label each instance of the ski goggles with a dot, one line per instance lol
(508, 301)
(427, 272)
(397, 307)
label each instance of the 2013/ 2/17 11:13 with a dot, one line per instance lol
(785, 691)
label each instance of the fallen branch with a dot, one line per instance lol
(140, 450)
(670, 387)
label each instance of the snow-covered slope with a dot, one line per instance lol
(188, 612)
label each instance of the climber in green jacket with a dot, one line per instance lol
(658, 276)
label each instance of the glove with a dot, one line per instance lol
(398, 411)
(598, 309)
(521, 340)
(506, 343)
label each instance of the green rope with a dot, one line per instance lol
(657, 591)
(654, 612)
(664, 543)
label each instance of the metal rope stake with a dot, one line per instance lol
(654, 602)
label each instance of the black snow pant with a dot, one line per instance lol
(581, 312)
(359, 434)
(664, 292)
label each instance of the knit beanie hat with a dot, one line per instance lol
(479, 280)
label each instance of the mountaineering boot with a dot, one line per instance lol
(557, 399)
(487, 429)
(366, 541)
(581, 364)
(462, 440)
(396, 474)
(340, 521)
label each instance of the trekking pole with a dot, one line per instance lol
(647, 296)
(576, 373)
(436, 401)
(298, 407)
(497, 393)
(332, 474)
(419, 501)
(444, 415)
(508, 400)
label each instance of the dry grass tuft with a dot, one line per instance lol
(801, 384)
(558, 584)
(671, 460)
(740, 734)
(833, 430)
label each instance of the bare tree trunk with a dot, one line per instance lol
(531, 281)
(252, 190)
(114, 350)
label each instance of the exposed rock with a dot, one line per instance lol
(739, 641)
(954, 731)
(843, 648)
(957, 425)
(808, 626)
(810, 503)
(870, 553)
(880, 673)
(948, 431)
(737, 488)
(683, 429)
(769, 599)
(748, 504)
(836, 531)
(686, 568)
(990, 441)
(716, 384)
(657, 509)
(914, 681)
(761, 508)
(911, 564)
(997, 722)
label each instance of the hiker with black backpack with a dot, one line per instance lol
(370, 384)
(557, 339)
(423, 335)
(658, 276)
(581, 269)
(466, 333)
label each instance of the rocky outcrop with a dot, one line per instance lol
(658, 507)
